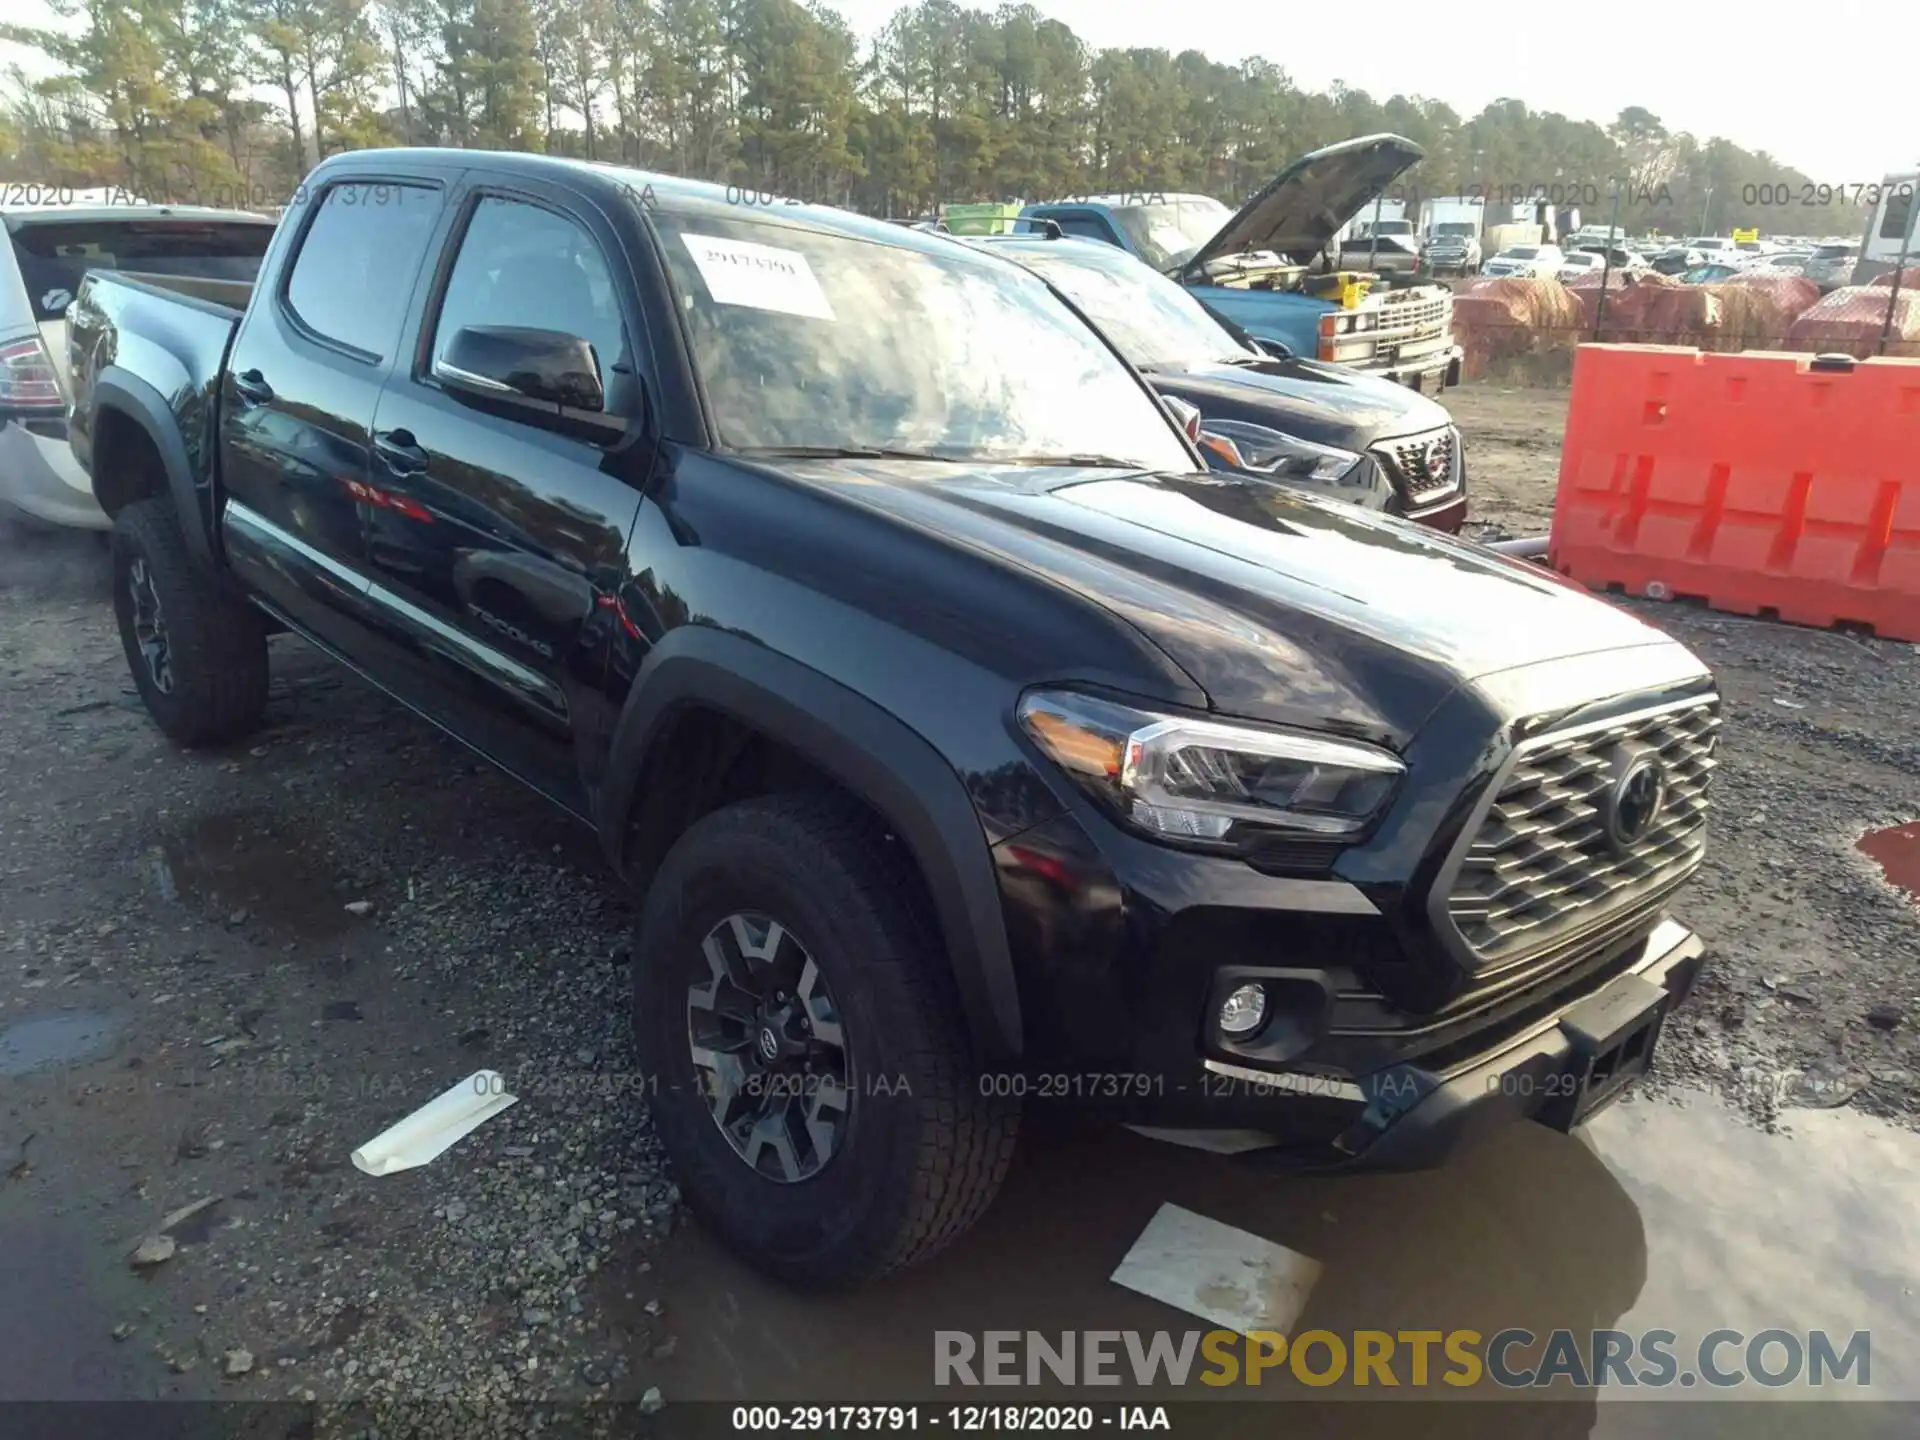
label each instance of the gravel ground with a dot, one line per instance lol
(186, 929)
(221, 973)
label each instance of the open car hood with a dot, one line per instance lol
(1299, 211)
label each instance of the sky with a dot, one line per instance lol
(1826, 88)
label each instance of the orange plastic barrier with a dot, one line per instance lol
(1759, 483)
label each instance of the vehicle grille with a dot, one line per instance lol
(1542, 872)
(1413, 317)
(1423, 467)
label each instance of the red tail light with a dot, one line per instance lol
(26, 374)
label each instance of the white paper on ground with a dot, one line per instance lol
(435, 1126)
(1214, 1142)
(1228, 1276)
(765, 277)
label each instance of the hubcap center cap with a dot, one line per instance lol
(769, 1044)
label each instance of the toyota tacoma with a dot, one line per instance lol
(966, 741)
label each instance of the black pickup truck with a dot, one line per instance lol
(969, 743)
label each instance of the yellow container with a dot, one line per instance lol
(1347, 288)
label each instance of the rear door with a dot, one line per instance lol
(298, 396)
(500, 536)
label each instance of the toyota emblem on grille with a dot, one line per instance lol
(1634, 803)
(1438, 453)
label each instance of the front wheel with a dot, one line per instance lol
(814, 1087)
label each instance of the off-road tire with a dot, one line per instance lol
(217, 644)
(924, 1150)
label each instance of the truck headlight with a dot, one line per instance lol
(1201, 781)
(1285, 457)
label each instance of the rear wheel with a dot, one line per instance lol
(814, 1087)
(198, 655)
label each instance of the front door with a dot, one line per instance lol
(498, 541)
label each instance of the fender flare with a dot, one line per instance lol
(119, 389)
(874, 756)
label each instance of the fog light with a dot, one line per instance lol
(1245, 1011)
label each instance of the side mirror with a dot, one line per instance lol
(1272, 348)
(1187, 416)
(544, 365)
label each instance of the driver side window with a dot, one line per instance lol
(520, 265)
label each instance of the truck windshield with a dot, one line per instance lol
(810, 340)
(1156, 324)
(55, 255)
(1168, 233)
(1460, 228)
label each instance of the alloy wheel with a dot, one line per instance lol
(150, 626)
(768, 1048)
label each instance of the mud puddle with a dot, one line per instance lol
(1896, 850)
(44, 1042)
(253, 872)
(1662, 1215)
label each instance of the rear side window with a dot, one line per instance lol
(54, 256)
(358, 260)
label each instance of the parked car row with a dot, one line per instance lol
(954, 723)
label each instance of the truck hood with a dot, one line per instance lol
(1281, 606)
(1328, 404)
(1302, 208)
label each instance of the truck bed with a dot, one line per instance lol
(226, 294)
(167, 336)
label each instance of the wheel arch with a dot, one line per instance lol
(126, 410)
(869, 753)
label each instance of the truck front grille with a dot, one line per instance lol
(1570, 847)
(1414, 318)
(1423, 467)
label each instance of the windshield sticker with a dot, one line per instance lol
(762, 277)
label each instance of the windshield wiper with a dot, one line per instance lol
(850, 452)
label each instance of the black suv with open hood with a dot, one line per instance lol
(968, 744)
(1326, 428)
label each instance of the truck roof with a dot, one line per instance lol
(18, 215)
(1122, 199)
(650, 188)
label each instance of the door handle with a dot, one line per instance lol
(252, 387)
(401, 452)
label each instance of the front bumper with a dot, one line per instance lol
(1428, 375)
(1447, 516)
(38, 474)
(1560, 1070)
